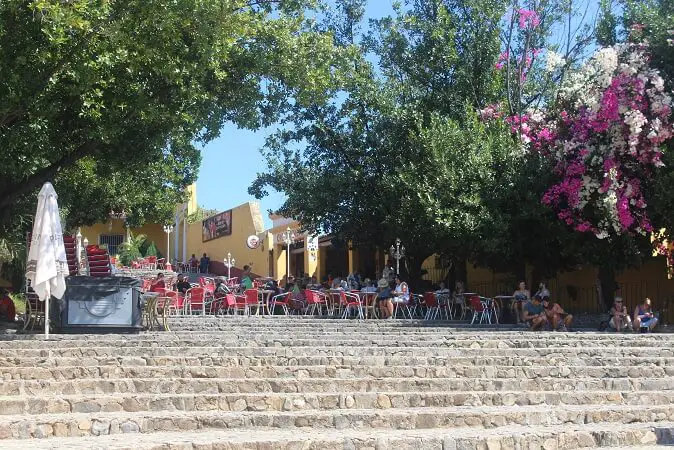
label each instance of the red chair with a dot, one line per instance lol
(478, 308)
(282, 300)
(195, 299)
(349, 300)
(432, 306)
(147, 284)
(151, 262)
(315, 300)
(174, 303)
(233, 305)
(252, 300)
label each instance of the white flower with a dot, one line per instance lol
(553, 61)
(602, 234)
(607, 59)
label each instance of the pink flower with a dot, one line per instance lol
(528, 19)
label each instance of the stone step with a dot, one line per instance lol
(62, 347)
(308, 400)
(43, 388)
(320, 349)
(455, 418)
(334, 371)
(558, 359)
(644, 436)
(193, 338)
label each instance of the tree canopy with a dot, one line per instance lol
(109, 100)
(400, 150)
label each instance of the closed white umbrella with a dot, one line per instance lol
(47, 265)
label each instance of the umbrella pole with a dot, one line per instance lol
(46, 317)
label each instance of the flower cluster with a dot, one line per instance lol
(528, 19)
(604, 139)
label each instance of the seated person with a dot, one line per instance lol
(401, 293)
(368, 286)
(221, 288)
(7, 308)
(543, 290)
(534, 315)
(194, 262)
(204, 263)
(442, 294)
(522, 296)
(246, 278)
(182, 285)
(620, 319)
(384, 299)
(557, 317)
(644, 319)
(313, 284)
(158, 283)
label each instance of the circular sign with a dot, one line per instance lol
(253, 241)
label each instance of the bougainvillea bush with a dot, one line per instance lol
(604, 134)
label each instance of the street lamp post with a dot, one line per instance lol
(288, 237)
(397, 252)
(167, 230)
(229, 262)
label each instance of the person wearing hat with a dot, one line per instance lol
(384, 299)
(644, 319)
(620, 319)
(557, 317)
(534, 314)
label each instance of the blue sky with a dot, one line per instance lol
(231, 162)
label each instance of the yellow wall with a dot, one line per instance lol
(155, 233)
(246, 221)
(577, 290)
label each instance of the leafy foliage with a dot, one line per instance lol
(109, 99)
(130, 249)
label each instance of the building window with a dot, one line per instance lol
(112, 241)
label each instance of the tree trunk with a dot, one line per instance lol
(459, 272)
(608, 285)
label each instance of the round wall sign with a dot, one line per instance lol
(253, 241)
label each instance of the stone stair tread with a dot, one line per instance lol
(78, 396)
(426, 410)
(279, 438)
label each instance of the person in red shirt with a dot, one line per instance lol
(158, 283)
(7, 309)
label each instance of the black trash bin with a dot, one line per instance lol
(99, 304)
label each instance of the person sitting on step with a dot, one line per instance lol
(559, 319)
(620, 319)
(534, 314)
(522, 296)
(644, 319)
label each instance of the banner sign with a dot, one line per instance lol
(217, 226)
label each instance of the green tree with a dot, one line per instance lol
(110, 99)
(130, 249)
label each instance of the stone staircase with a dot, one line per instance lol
(295, 383)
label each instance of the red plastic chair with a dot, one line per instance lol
(315, 300)
(195, 299)
(282, 300)
(234, 305)
(432, 306)
(349, 300)
(147, 284)
(477, 307)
